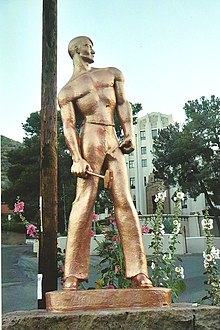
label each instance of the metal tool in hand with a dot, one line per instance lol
(107, 177)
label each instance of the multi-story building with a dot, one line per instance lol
(140, 167)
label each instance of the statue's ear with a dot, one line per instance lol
(77, 50)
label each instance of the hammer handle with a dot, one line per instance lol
(95, 174)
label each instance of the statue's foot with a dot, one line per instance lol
(141, 281)
(71, 283)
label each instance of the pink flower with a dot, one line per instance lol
(116, 269)
(95, 217)
(145, 230)
(92, 233)
(112, 221)
(116, 238)
(19, 207)
(110, 286)
(32, 231)
(105, 230)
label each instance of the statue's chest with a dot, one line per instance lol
(92, 82)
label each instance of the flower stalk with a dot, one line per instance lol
(211, 255)
(166, 270)
(31, 229)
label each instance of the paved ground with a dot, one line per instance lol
(19, 273)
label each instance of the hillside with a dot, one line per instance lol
(6, 146)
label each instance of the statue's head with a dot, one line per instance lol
(82, 46)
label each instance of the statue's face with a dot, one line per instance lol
(86, 51)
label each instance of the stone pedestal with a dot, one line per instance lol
(178, 316)
(105, 299)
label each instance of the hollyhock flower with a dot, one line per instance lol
(111, 286)
(215, 252)
(160, 196)
(208, 257)
(207, 224)
(116, 238)
(116, 269)
(167, 256)
(180, 271)
(152, 265)
(19, 207)
(180, 195)
(206, 264)
(112, 221)
(105, 230)
(32, 230)
(95, 217)
(92, 233)
(145, 230)
(177, 229)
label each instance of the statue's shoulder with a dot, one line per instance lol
(117, 73)
(66, 94)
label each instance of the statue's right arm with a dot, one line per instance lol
(80, 165)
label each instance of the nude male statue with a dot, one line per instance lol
(96, 94)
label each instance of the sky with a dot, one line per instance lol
(168, 51)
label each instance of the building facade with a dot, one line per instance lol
(140, 168)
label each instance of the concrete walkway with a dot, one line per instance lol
(19, 278)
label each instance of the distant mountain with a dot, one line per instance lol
(6, 146)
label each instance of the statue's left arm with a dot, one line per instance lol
(124, 113)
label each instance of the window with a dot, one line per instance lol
(131, 154)
(132, 183)
(131, 163)
(142, 135)
(144, 162)
(154, 133)
(143, 150)
(145, 181)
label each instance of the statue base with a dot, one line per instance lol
(105, 299)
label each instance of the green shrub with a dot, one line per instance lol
(14, 226)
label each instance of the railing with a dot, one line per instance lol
(191, 224)
(145, 220)
(148, 220)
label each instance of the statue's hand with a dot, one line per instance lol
(79, 168)
(127, 146)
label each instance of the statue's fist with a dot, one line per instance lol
(79, 168)
(127, 146)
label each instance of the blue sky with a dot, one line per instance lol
(168, 50)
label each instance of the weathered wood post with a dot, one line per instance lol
(48, 169)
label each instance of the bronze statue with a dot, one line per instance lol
(95, 94)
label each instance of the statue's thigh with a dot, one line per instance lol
(120, 184)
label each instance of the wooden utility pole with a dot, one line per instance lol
(48, 170)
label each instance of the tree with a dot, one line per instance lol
(24, 172)
(190, 155)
